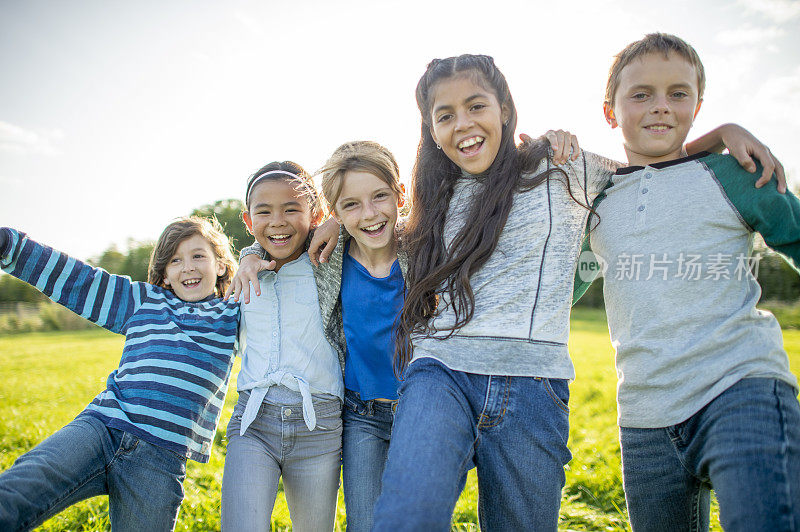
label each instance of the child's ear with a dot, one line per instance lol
(165, 281)
(248, 222)
(433, 136)
(608, 111)
(220, 268)
(697, 109)
(505, 114)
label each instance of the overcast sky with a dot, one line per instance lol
(118, 116)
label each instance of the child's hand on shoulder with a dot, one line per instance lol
(247, 275)
(744, 147)
(563, 143)
(324, 241)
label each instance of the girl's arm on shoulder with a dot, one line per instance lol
(744, 147)
(587, 171)
(563, 144)
(102, 298)
(324, 241)
(591, 173)
(250, 264)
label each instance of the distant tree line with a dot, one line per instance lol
(134, 261)
(779, 282)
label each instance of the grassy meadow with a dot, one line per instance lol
(49, 377)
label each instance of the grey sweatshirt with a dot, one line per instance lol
(680, 297)
(524, 291)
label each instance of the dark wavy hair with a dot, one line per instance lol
(432, 267)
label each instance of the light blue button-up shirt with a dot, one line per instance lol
(283, 343)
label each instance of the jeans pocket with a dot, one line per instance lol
(332, 422)
(127, 443)
(558, 390)
(235, 422)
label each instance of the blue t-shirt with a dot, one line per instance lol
(370, 307)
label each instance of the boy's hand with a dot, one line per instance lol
(247, 275)
(324, 242)
(564, 144)
(744, 146)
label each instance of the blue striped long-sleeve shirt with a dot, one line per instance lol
(172, 378)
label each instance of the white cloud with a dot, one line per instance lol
(10, 180)
(776, 10)
(784, 94)
(748, 35)
(252, 24)
(19, 140)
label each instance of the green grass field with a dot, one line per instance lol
(49, 377)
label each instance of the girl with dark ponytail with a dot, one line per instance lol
(493, 238)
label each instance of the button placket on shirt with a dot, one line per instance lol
(643, 194)
(275, 320)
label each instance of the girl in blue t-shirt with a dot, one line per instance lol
(361, 291)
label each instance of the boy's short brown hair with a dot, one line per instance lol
(178, 231)
(654, 43)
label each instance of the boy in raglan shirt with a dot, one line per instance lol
(705, 395)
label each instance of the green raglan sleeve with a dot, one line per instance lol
(588, 267)
(585, 264)
(774, 215)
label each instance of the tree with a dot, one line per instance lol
(13, 290)
(134, 263)
(229, 214)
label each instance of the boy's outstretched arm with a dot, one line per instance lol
(744, 147)
(93, 293)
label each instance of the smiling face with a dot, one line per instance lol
(192, 271)
(279, 217)
(467, 122)
(655, 104)
(367, 207)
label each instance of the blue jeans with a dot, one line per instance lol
(745, 443)
(514, 429)
(144, 482)
(278, 444)
(365, 445)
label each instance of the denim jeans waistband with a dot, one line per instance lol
(369, 407)
(322, 408)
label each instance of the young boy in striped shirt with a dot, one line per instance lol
(160, 406)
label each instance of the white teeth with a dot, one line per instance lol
(658, 128)
(191, 282)
(469, 142)
(374, 227)
(280, 237)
